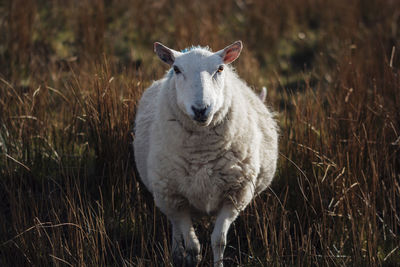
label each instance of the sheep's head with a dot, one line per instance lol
(199, 78)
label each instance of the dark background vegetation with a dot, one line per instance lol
(71, 73)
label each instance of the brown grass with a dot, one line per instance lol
(71, 76)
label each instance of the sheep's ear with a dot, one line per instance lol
(164, 53)
(231, 52)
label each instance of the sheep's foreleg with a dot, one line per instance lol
(183, 228)
(225, 218)
(218, 238)
(177, 245)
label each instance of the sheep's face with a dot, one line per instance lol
(199, 78)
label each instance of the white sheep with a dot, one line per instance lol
(204, 142)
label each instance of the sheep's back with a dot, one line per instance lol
(259, 121)
(144, 118)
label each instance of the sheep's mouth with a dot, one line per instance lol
(203, 122)
(201, 119)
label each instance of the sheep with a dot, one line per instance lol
(204, 143)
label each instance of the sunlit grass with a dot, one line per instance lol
(70, 79)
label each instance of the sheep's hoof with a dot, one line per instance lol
(192, 258)
(177, 258)
(189, 259)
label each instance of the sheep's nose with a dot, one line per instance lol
(200, 113)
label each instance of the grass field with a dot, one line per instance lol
(72, 72)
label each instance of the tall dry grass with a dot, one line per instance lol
(71, 75)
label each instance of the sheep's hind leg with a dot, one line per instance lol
(182, 227)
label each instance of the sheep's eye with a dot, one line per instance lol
(177, 70)
(220, 68)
